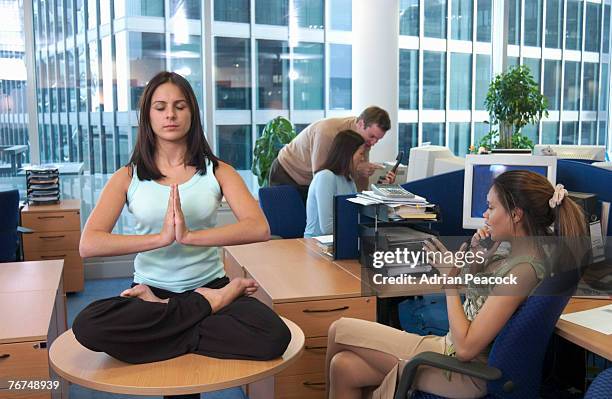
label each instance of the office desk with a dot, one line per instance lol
(33, 309)
(590, 340)
(305, 286)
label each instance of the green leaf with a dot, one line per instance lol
(277, 132)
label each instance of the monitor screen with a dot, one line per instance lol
(483, 176)
(481, 170)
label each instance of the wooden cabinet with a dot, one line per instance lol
(311, 290)
(57, 232)
(33, 309)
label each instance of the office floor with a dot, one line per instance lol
(98, 289)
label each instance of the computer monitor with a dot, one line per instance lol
(481, 170)
(423, 159)
(587, 152)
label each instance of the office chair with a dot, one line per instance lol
(284, 209)
(601, 387)
(515, 362)
(9, 219)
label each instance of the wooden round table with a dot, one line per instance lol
(187, 374)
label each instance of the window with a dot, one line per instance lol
(534, 67)
(188, 9)
(480, 130)
(605, 48)
(232, 73)
(234, 145)
(483, 79)
(434, 133)
(461, 82)
(272, 71)
(185, 59)
(461, 20)
(552, 83)
(589, 87)
(307, 76)
(588, 136)
(94, 84)
(309, 13)
(603, 130)
(550, 132)
(435, 18)
(409, 17)
(533, 23)
(459, 138)
(272, 12)
(147, 58)
(232, 10)
(341, 14)
(571, 86)
(573, 25)
(569, 133)
(483, 21)
(145, 8)
(514, 22)
(592, 23)
(407, 137)
(554, 23)
(603, 89)
(340, 76)
(409, 79)
(531, 132)
(434, 80)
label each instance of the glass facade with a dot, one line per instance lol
(565, 44)
(90, 79)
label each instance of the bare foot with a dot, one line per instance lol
(220, 298)
(142, 291)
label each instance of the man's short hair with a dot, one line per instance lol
(375, 115)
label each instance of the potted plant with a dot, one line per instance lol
(513, 101)
(278, 132)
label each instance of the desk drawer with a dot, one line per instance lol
(22, 360)
(315, 317)
(51, 221)
(51, 241)
(312, 360)
(304, 386)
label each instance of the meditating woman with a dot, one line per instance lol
(522, 207)
(181, 300)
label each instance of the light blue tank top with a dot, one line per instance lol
(177, 267)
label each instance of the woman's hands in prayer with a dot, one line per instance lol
(174, 227)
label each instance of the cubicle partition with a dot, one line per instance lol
(446, 190)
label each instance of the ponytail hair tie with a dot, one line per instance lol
(557, 198)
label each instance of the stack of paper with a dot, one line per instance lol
(408, 208)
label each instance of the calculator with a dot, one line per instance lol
(394, 191)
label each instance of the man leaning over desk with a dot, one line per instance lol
(303, 156)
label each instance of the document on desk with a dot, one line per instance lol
(325, 240)
(598, 319)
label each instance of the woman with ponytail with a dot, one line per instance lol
(525, 211)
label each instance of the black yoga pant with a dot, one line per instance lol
(137, 331)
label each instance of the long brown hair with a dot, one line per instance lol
(341, 153)
(198, 150)
(531, 192)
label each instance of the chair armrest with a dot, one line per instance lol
(24, 230)
(437, 360)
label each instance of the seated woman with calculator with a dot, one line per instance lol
(335, 178)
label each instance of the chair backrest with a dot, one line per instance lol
(9, 218)
(284, 209)
(601, 387)
(519, 349)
